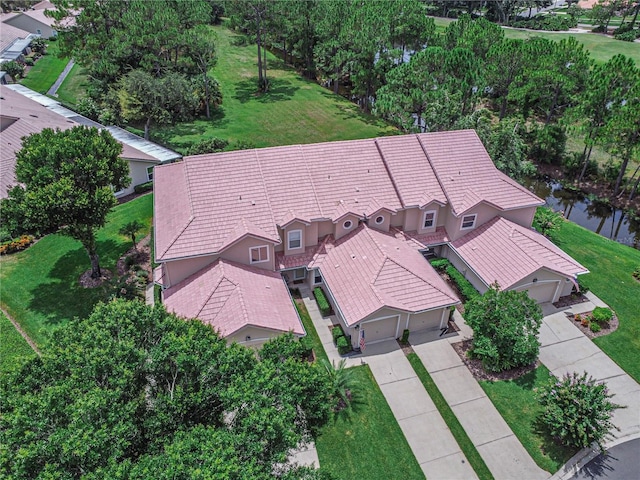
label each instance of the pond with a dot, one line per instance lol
(591, 213)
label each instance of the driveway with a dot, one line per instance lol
(621, 462)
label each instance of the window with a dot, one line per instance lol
(429, 220)
(347, 225)
(317, 278)
(379, 219)
(468, 221)
(150, 173)
(299, 273)
(294, 239)
(38, 31)
(259, 254)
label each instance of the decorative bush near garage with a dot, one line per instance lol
(323, 303)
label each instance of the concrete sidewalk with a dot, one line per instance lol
(500, 449)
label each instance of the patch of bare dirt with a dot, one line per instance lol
(139, 256)
(406, 347)
(86, 281)
(479, 373)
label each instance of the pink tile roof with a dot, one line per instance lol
(423, 240)
(272, 186)
(9, 33)
(286, 262)
(229, 296)
(368, 270)
(467, 174)
(506, 252)
(32, 117)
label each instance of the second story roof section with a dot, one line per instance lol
(468, 176)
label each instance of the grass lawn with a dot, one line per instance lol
(601, 48)
(46, 70)
(74, 86)
(40, 287)
(12, 346)
(311, 331)
(294, 111)
(465, 443)
(516, 402)
(368, 443)
(611, 265)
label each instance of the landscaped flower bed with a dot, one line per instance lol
(599, 322)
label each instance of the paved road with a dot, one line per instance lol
(621, 462)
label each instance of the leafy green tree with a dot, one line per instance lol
(477, 35)
(546, 220)
(14, 69)
(130, 230)
(509, 151)
(67, 182)
(201, 48)
(505, 63)
(505, 326)
(577, 410)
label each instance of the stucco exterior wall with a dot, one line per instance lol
(542, 277)
(340, 231)
(240, 253)
(178, 270)
(31, 25)
(325, 228)
(521, 216)
(257, 336)
(311, 237)
(462, 267)
(386, 223)
(285, 238)
(440, 219)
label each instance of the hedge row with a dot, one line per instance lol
(323, 303)
(467, 290)
(143, 187)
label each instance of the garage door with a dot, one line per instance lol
(542, 292)
(381, 329)
(425, 321)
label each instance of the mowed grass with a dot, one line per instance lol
(600, 47)
(74, 86)
(465, 443)
(368, 443)
(294, 111)
(312, 334)
(516, 401)
(46, 70)
(40, 288)
(611, 265)
(13, 348)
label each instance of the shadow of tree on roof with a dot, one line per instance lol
(279, 90)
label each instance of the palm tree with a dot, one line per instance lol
(130, 230)
(344, 384)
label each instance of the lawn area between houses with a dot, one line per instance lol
(74, 87)
(368, 443)
(611, 265)
(516, 401)
(294, 111)
(13, 347)
(46, 70)
(465, 443)
(312, 335)
(40, 287)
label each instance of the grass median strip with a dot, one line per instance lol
(465, 443)
(311, 331)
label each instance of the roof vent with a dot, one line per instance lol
(267, 286)
(253, 202)
(336, 265)
(32, 115)
(355, 200)
(353, 257)
(240, 197)
(357, 189)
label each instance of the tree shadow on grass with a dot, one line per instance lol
(551, 447)
(347, 110)
(279, 89)
(60, 297)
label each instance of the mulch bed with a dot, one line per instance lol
(454, 286)
(479, 373)
(606, 328)
(86, 281)
(569, 300)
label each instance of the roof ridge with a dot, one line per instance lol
(435, 172)
(264, 187)
(419, 277)
(313, 186)
(389, 174)
(177, 236)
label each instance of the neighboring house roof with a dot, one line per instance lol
(368, 270)
(468, 176)
(424, 240)
(325, 181)
(44, 5)
(229, 296)
(9, 34)
(506, 252)
(34, 112)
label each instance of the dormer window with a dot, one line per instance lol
(468, 222)
(294, 239)
(379, 220)
(347, 225)
(429, 219)
(259, 254)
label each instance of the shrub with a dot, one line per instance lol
(208, 146)
(143, 187)
(14, 69)
(601, 314)
(129, 260)
(343, 345)
(636, 273)
(549, 144)
(280, 348)
(546, 220)
(28, 61)
(505, 327)
(595, 327)
(336, 333)
(405, 336)
(577, 410)
(243, 145)
(573, 165)
(440, 264)
(626, 36)
(16, 245)
(39, 45)
(583, 288)
(323, 303)
(467, 290)
(53, 38)
(88, 107)
(584, 322)
(577, 317)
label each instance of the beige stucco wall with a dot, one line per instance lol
(521, 216)
(397, 220)
(340, 231)
(384, 226)
(545, 276)
(325, 228)
(462, 267)
(285, 238)
(258, 336)
(239, 252)
(31, 25)
(178, 270)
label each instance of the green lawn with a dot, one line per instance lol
(46, 70)
(74, 86)
(465, 443)
(601, 48)
(311, 331)
(40, 287)
(611, 265)
(516, 402)
(294, 111)
(369, 443)
(12, 346)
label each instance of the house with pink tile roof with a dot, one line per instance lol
(24, 112)
(358, 219)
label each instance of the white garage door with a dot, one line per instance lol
(425, 321)
(542, 292)
(381, 329)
